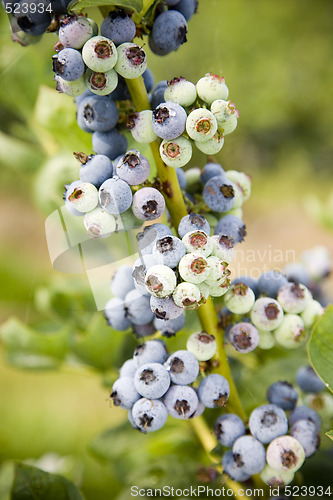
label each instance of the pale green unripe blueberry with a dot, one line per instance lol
(177, 152)
(235, 211)
(276, 479)
(239, 299)
(218, 271)
(181, 91)
(192, 176)
(193, 268)
(266, 314)
(211, 146)
(229, 125)
(84, 197)
(220, 288)
(223, 248)
(160, 281)
(201, 124)
(322, 403)
(132, 60)
(99, 223)
(222, 109)
(73, 89)
(294, 297)
(99, 54)
(212, 87)
(201, 345)
(186, 295)
(291, 333)
(101, 83)
(198, 242)
(141, 127)
(285, 453)
(239, 200)
(241, 179)
(311, 313)
(204, 291)
(266, 340)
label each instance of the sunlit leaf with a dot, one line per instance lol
(321, 347)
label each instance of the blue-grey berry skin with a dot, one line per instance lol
(157, 95)
(304, 413)
(296, 272)
(96, 169)
(146, 330)
(231, 226)
(214, 391)
(307, 434)
(270, 282)
(75, 31)
(193, 222)
(139, 271)
(31, 20)
(165, 309)
(181, 178)
(250, 454)
(244, 337)
(170, 327)
(249, 281)
(110, 143)
(80, 98)
(68, 64)
(82, 124)
(133, 167)
(169, 120)
(138, 308)
(308, 380)
(268, 422)
(148, 79)
(115, 314)
(181, 401)
(168, 33)
(183, 367)
(219, 194)
(210, 170)
(228, 428)
(168, 250)
(234, 468)
(119, 27)
(99, 113)
(283, 395)
(148, 204)
(121, 92)
(124, 393)
(149, 415)
(115, 196)
(128, 369)
(186, 7)
(122, 281)
(152, 380)
(152, 351)
(146, 239)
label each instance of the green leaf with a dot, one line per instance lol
(31, 483)
(26, 348)
(329, 434)
(321, 347)
(78, 5)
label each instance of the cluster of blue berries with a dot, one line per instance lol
(154, 384)
(269, 425)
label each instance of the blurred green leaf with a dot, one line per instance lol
(6, 479)
(78, 5)
(31, 483)
(321, 347)
(25, 348)
(330, 434)
(19, 155)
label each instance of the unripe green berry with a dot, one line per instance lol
(84, 197)
(266, 340)
(201, 124)
(239, 299)
(99, 223)
(99, 54)
(160, 281)
(294, 297)
(193, 268)
(266, 314)
(243, 180)
(186, 295)
(276, 479)
(73, 89)
(223, 247)
(132, 60)
(222, 110)
(212, 87)
(285, 453)
(101, 83)
(218, 271)
(229, 125)
(202, 345)
(211, 146)
(291, 333)
(181, 91)
(141, 127)
(311, 313)
(198, 242)
(220, 288)
(177, 152)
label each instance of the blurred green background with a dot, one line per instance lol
(276, 58)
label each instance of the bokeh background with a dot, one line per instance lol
(276, 58)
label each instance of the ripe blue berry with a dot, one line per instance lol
(181, 178)
(270, 282)
(214, 391)
(210, 170)
(148, 204)
(128, 368)
(118, 27)
(201, 345)
(157, 95)
(149, 415)
(212, 87)
(304, 413)
(122, 281)
(267, 422)
(232, 227)
(115, 195)
(138, 308)
(181, 401)
(160, 281)
(186, 7)
(307, 435)
(76, 31)
(110, 143)
(132, 60)
(244, 337)
(266, 314)
(282, 394)
(146, 330)
(165, 309)
(168, 33)
(249, 453)
(152, 351)
(308, 380)
(176, 152)
(168, 251)
(147, 238)
(98, 113)
(169, 327)
(219, 194)
(234, 467)
(124, 393)
(152, 380)
(192, 222)
(95, 169)
(140, 267)
(285, 453)
(228, 428)
(183, 367)
(31, 20)
(115, 314)
(133, 168)
(68, 64)
(168, 120)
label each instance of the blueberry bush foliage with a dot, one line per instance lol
(214, 378)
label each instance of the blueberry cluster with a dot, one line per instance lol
(154, 384)
(269, 426)
(269, 311)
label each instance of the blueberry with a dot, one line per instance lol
(98, 113)
(118, 27)
(168, 250)
(122, 281)
(160, 281)
(187, 295)
(99, 54)
(183, 367)
(176, 152)
(212, 87)
(31, 20)
(138, 308)
(124, 393)
(152, 351)
(214, 391)
(133, 168)
(68, 64)
(244, 337)
(101, 84)
(186, 7)
(223, 248)
(270, 282)
(201, 124)
(181, 178)
(146, 330)
(115, 314)
(266, 314)
(121, 92)
(308, 380)
(311, 313)
(210, 170)
(234, 468)
(282, 394)
(228, 428)
(139, 271)
(146, 239)
(168, 33)
(73, 89)
(128, 368)
(194, 268)
(249, 454)
(132, 60)
(169, 327)
(95, 169)
(249, 281)
(181, 91)
(276, 479)
(285, 453)
(242, 180)
(149, 415)
(169, 120)
(192, 222)
(140, 125)
(201, 345)
(218, 271)
(148, 204)
(304, 413)
(199, 242)
(115, 195)
(220, 288)
(223, 111)
(152, 380)
(239, 299)
(148, 78)
(307, 434)
(294, 297)
(99, 223)
(83, 197)
(181, 401)
(267, 422)
(211, 146)
(296, 272)
(291, 332)
(232, 227)
(219, 195)
(76, 31)
(157, 95)
(110, 143)
(229, 123)
(165, 309)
